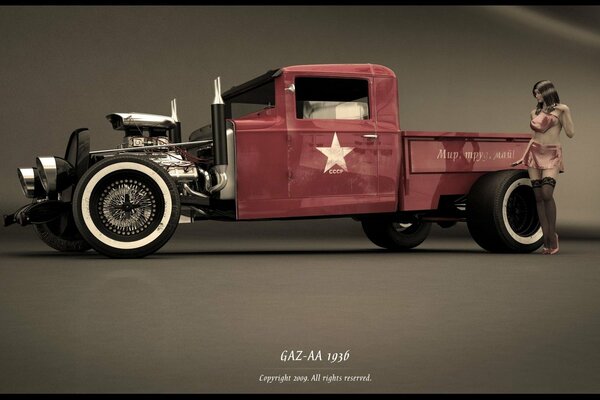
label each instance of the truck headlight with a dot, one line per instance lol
(56, 174)
(30, 182)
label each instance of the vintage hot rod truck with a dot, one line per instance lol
(304, 141)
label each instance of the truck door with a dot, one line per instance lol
(332, 142)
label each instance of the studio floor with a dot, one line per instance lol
(216, 308)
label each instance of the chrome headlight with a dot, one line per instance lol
(30, 182)
(56, 174)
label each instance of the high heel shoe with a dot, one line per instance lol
(555, 250)
(545, 250)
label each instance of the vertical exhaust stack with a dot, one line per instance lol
(218, 130)
(177, 132)
(219, 135)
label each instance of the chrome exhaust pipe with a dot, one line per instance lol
(218, 126)
(219, 134)
(219, 145)
(219, 171)
(208, 187)
(176, 132)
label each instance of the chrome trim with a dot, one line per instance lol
(370, 136)
(218, 99)
(122, 121)
(191, 191)
(161, 146)
(221, 176)
(229, 191)
(206, 176)
(127, 207)
(291, 88)
(181, 170)
(183, 174)
(47, 169)
(174, 110)
(221, 179)
(27, 179)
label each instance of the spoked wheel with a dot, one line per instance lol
(502, 214)
(126, 206)
(393, 235)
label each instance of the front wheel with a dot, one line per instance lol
(502, 214)
(126, 207)
(61, 234)
(394, 235)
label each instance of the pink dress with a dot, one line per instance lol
(543, 156)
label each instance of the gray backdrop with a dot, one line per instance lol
(463, 68)
(217, 305)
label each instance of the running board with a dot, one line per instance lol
(202, 209)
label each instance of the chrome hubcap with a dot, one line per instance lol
(127, 207)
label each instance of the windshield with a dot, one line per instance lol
(251, 100)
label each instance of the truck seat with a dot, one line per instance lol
(334, 110)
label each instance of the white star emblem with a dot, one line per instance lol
(335, 154)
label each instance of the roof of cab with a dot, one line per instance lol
(353, 69)
(343, 69)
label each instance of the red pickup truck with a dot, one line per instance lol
(307, 141)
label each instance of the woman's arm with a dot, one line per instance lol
(566, 119)
(520, 160)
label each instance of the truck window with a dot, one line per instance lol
(332, 98)
(250, 101)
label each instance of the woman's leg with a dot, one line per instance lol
(536, 182)
(548, 183)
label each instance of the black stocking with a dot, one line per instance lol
(541, 208)
(548, 184)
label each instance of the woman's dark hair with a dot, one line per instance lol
(549, 94)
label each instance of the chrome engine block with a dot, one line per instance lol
(181, 170)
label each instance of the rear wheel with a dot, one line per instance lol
(126, 206)
(502, 214)
(394, 235)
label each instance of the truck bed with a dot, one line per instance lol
(447, 163)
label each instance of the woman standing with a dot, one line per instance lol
(543, 156)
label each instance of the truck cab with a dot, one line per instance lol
(315, 140)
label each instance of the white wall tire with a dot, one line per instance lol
(126, 206)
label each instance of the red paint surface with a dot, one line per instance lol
(448, 163)
(281, 173)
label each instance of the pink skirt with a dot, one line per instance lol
(544, 156)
